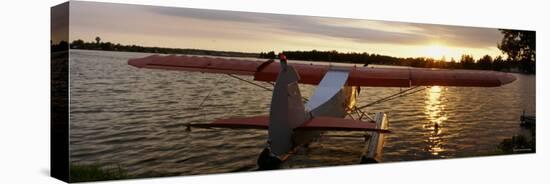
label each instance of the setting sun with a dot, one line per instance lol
(438, 51)
(435, 51)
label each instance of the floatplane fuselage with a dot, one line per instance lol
(332, 98)
(292, 123)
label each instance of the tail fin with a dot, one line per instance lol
(287, 110)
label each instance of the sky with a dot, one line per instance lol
(261, 32)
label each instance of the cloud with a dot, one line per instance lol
(213, 15)
(461, 35)
(261, 27)
(318, 26)
(299, 24)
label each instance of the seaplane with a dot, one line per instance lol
(295, 121)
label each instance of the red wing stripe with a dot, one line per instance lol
(199, 69)
(406, 77)
(379, 77)
(198, 64)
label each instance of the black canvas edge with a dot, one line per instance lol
(59, 93)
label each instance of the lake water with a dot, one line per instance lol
(136, 119)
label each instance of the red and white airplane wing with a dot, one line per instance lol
(312, 74)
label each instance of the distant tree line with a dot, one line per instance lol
(108, 46)
(465, 62)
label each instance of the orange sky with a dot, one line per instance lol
(258, 32)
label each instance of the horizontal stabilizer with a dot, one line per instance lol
(339, 124)
(257, 122)
(317, 123)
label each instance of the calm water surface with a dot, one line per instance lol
(135, 119)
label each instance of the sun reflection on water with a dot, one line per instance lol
(435, 112)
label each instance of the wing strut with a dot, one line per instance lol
(394, 96)
(252, 83)
(260, 86)
(409, 91)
